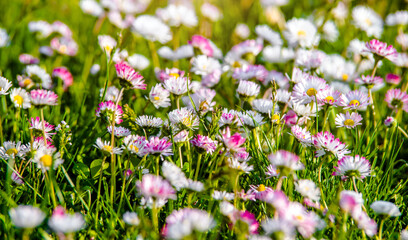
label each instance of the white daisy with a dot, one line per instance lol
(248, 88)
(176, 15)
(4, 38)
(152, 28)
(185, 51)
(106, 147)
(138, 61)
(265, 32)
(203, 65)
(277, 54)
(4, 85)
(397, 18)
(308, 189)
(183, 118)
(149, 122)
(385, 208)
(20, 98)
(251, 118)
(47, 157)
(222, 195)
(26, 216)
(301, 32)
(367, 20)
(177, 85)
(159, 96)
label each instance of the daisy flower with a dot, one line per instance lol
(282, 96)
(305, 91)
(26, 216)
(12, 149)
(119, 131)
(350, 201)
(248, 72)
(228, 117)
(177, 85)
(42, 98)
(176, 15)
(380, 49)
(350, 166)
(242, 31)
(149, 122)
(240, 166)
(64, 45)
(309, 59)
(369, 81)
(248, 89)
(385, 208)
(356, 100)
(325, 141)
(131, 218)
(129, 78)
(47, 157)
(159, 96)
(185, 51)
(265, 106)
(301, 32)
(393, 79)
(204, 143)
(156, 187)
(389, 121)
(65, 75)
(203, 44)
(277, 54)
(163, 75)
(106, 147)
(285, 161)
(152, 28)
(91, 7)
(348, 120)
(37, 76)
(111, 94)
(397, 18)
(251, 118)
(107, 43)
(367, 20)
(265, 32)
(135, 144)
(43, 27)
(183, 118)
(36, 125)
(396, 99)
(211, 12)
(138, 61)
(157, 146)
(28, 59)
(204, 65)
(233, 143)
(182, 223)
(4, 85)
(328, 96)
(4, 38)
(222, 195)
(302, 135)
(108, 109)
(271, 171)
(62, 223)
(308, 189)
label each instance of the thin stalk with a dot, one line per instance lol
(98, 196)
(123, 187)
(320, 183)
(155, 57)
(198, 166)
(180, 156)
(155, 218)
(380, 229)
(107, 78)
(279, 184)
(403, 132)
(354, 184)
(43, 125)
(157, 165)
(51, 189)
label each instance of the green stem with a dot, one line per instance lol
(107, 78)
(198, 166)
(155, 219)
(180, 156)
(380, 229)
(98, 196)
(43, 125)
(155, 57)
(123, 186)
(320, 183)
(157, 165)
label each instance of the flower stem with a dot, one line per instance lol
(380, 229)
(198, 166)
(157, 165)
(155, 57)
(43, 126)
(98, 196)
(107, 78)
(320, 183)
(181, 157)
(155, 219)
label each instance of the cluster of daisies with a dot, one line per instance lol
(234, 155)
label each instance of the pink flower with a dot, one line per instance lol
(290, 118)
(247, 217)
(28, 59)
(350, 166)
(397, 99)
(43, 98)
(381, 49)
(156, 187)
(350, 201)
(203, 44)
(36, 125)
(248, 72)
(389, 121)
(233, 143)
(325, 141)
(108, 109)
(369, 81)
(65, 75)
(205, 143)
(393, 78)
(64, 45)
(163, 75)
(129, 77)
(155, 145)
(285, 161)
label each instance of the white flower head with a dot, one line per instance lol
(152, 28)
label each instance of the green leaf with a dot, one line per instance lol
(96, 167)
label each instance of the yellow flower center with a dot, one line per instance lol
(329, 99)
(63, 48)
(299, 217)
(27, 82)
(176, 75)
(276, 118)
(108, 49)
(187, 121)
(11, 151)
(261, 188)
(311, 92)
(46, 160)
(156, 98)
(307, 188)
(349, 122)
(134, 148)
(236, 64)
(107, 148)
(1, 88)
(354, 102)
(18, 99)
(368, 21)
(301, 33)
(239, 167)
(344, 77)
